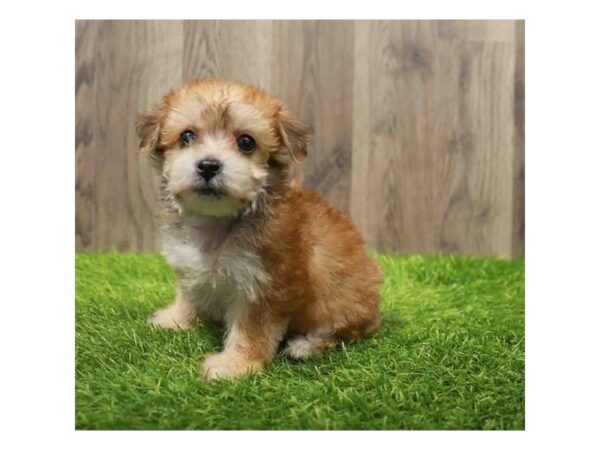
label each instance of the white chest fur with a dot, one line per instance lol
(215, 270)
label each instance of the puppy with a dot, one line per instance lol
(248, 248)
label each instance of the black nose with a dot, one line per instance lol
(208, 168)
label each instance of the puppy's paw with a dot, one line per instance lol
(309, 346)
(169, 318)
(223, 365)
(300, 347)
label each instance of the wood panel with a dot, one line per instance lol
(85, 102)
(233, 49)
(518, 233)
(136, 63)
(313, 73)
(419, 131)
(435, 125)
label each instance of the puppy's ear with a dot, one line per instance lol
(295, 136)
(148, 129)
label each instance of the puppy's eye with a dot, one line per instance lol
(187, 138)
(246, 143)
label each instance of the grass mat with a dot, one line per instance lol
(449, 355)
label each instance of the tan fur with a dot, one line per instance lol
(179, 315)
(264, 257)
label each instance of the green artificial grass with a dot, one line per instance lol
(449, 355)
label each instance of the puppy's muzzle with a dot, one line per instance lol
(208, 168)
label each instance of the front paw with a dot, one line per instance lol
(227, 366)
(167, 318)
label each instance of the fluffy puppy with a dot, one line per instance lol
(248, 248)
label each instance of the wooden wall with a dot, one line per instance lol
(419, 125)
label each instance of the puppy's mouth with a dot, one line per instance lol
(209, 192)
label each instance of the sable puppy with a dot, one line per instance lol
(248, 248)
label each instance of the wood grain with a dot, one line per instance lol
(313, 74)
(518, 233)
(85, 98)
(419, 125)
(439, 123)
(478, 215)
(136, 64)
(232, 49)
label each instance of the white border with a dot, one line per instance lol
(562, 221)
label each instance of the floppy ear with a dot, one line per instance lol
(148, 128)
(295, 136)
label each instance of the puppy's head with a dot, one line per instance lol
(221, 145)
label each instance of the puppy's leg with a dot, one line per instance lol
(252, 340)
(178, 315)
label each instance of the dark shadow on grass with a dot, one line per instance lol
(389, 321)
(215, 332)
